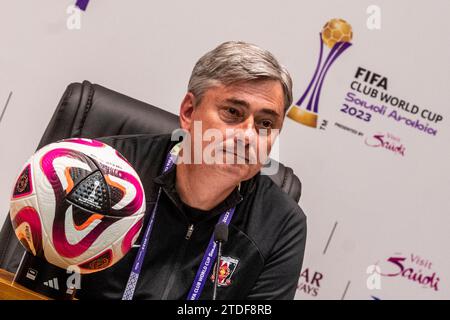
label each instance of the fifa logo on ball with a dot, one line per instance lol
(336, 35)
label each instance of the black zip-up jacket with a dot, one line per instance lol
(264, 250)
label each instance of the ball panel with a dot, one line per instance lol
(71, 171)
(92, 194)
(71, 243)
(24, 183)
(133, 200)
(122, 192)
(128, 229)
(77, 246)
(131, 236)
(28, 228)
(53, 257)
(100, 262)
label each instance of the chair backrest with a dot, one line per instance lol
(90, 111)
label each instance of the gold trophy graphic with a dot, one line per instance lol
(336, 35)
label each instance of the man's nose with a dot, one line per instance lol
(247, 134)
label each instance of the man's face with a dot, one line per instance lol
(248, 116)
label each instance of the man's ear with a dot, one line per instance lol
(186, 110)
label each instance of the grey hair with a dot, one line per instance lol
(237, 61)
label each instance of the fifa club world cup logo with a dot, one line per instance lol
(336, 35)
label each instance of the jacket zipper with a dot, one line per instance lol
(189, 232)
(171, 281)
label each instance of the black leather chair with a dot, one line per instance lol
(77, 115)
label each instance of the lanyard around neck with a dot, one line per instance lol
(208, 257)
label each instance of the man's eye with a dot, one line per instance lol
(266, 124)
(233, 111)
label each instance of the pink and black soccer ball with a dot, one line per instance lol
(78, 202)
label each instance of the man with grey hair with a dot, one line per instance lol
(211, 180)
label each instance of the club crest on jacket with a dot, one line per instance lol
(227, 267)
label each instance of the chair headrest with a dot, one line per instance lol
(90, 110)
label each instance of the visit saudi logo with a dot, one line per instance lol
(336, 35)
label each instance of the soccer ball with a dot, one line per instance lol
(78, 202)
(336, 30)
